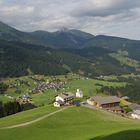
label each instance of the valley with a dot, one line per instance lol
(37, 67)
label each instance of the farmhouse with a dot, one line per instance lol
(104, 102)
(64, 99)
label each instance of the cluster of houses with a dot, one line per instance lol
(112, 103)
(109, 103)
(23, 99)
(43, 86)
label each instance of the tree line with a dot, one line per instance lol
(10, 108)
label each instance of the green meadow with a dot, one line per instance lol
(26, 116)
(74, 123)
(125, 60)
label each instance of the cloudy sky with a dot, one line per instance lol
(111, 17)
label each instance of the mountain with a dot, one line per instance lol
(67, 38)
(69, 51)
(11, 34)
(17, 59)
(63, 39)
(112, 43)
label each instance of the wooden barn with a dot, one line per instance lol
(104, 101)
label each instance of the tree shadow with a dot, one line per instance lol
(123, 135)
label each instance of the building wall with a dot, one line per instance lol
(56, 104)
(90, 102)
(79, 95)
(135, 116)
(59, 99)
(109, 105)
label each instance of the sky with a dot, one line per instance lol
(108, 17)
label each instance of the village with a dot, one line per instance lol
(108, 103)
(59, 93)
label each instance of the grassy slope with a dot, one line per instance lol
(26, 116)
(89, 85)
(76, 124)
(124, 60)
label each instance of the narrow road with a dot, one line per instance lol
(36, 120)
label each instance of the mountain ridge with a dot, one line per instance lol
(64, 51)
(64, 38)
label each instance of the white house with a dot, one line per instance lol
(65, 98)
(58, 103)
(79, 94)
(136, 114)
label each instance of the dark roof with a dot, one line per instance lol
(105, 99)
(60, 102)
(66, 95)
(135, 106)
(125, 97)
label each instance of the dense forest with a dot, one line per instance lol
(18, 59)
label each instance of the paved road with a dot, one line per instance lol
(36, 120)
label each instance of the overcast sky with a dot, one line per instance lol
(110, 17)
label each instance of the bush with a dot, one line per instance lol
(3, 88)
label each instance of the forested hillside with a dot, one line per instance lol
(64, 51)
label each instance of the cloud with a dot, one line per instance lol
(103, 8)
(94, 16)
(16, 10)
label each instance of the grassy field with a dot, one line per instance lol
(44, 98)
(26, 115)
(75, 123)
(89, 87)
(124, 60)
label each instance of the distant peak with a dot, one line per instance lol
(64, 29)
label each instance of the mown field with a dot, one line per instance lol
(74, 123)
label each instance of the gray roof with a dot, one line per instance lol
(136, 112)
(105, 99)
(66, 95)
(134, 106)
